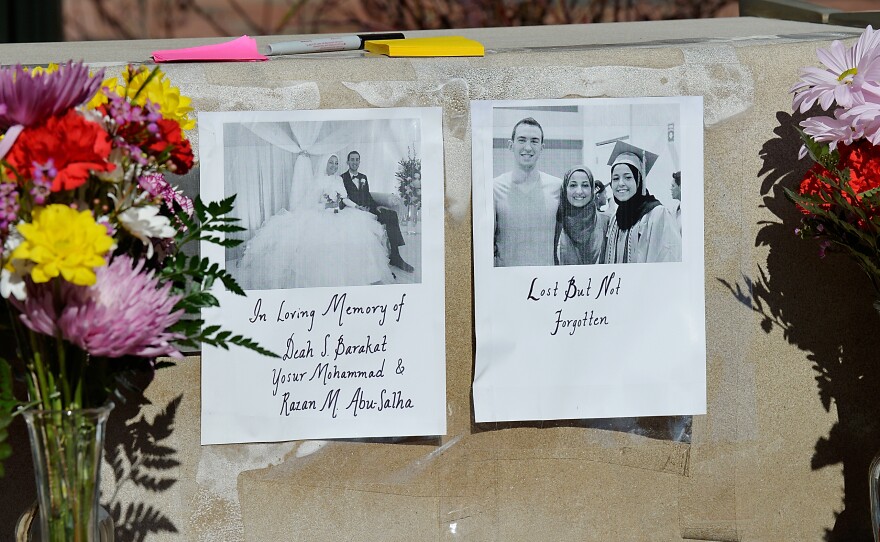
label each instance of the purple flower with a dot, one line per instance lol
(9, 206)
(29, 99)
(42, 182)
(158, 187)
(121, 112)
(125, 313)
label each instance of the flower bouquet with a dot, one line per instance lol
(409, 179)
(409, 186)
(93, 281)
(840, 194)
(332, 202)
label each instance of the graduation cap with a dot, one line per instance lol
(624, 153)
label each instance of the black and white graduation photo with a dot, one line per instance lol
(567, 194)
(342, 262)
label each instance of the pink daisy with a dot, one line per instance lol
(832, 130)
(871, 130)
(851, 75)
(862, 112)
(125, 313)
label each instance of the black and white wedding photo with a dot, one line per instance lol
(325, 203)
(342, 267)
(586, 184)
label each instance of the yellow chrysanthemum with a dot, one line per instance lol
(100, 98)
(51, 68)
(63, 241)
(159, 91)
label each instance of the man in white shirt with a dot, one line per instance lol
(526, 202)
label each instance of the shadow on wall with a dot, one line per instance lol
(672, 428)
(824, 307)
(140, 461)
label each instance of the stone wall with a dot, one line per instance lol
(791, 339)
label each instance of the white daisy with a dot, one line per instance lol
(146, 223)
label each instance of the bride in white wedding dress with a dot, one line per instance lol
(315, 243)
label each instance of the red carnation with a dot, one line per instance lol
(813, 185)
(862, 159)
(170, 138)
(76, 146)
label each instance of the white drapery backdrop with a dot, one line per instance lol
(303, 141)
(270, 165)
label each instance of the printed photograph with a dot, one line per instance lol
(325, 203)
(586, 184)
(563, 192)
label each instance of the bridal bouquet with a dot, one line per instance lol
(840, 194)
(332, 203)
(93, 280)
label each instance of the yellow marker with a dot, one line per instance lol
(436, 46)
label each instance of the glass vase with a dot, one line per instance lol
(66, 447)
(412, 218)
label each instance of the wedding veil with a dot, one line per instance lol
(308, 185)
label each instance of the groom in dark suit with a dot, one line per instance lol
(359, 192)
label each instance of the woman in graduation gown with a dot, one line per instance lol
(642, 230)
(580, 228)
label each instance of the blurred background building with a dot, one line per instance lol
(76, 20)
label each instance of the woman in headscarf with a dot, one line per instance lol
(316, 243)
(329, 188)
(642, 230)
(580, 227)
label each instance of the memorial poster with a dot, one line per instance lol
(588, 258)
(342, 266)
